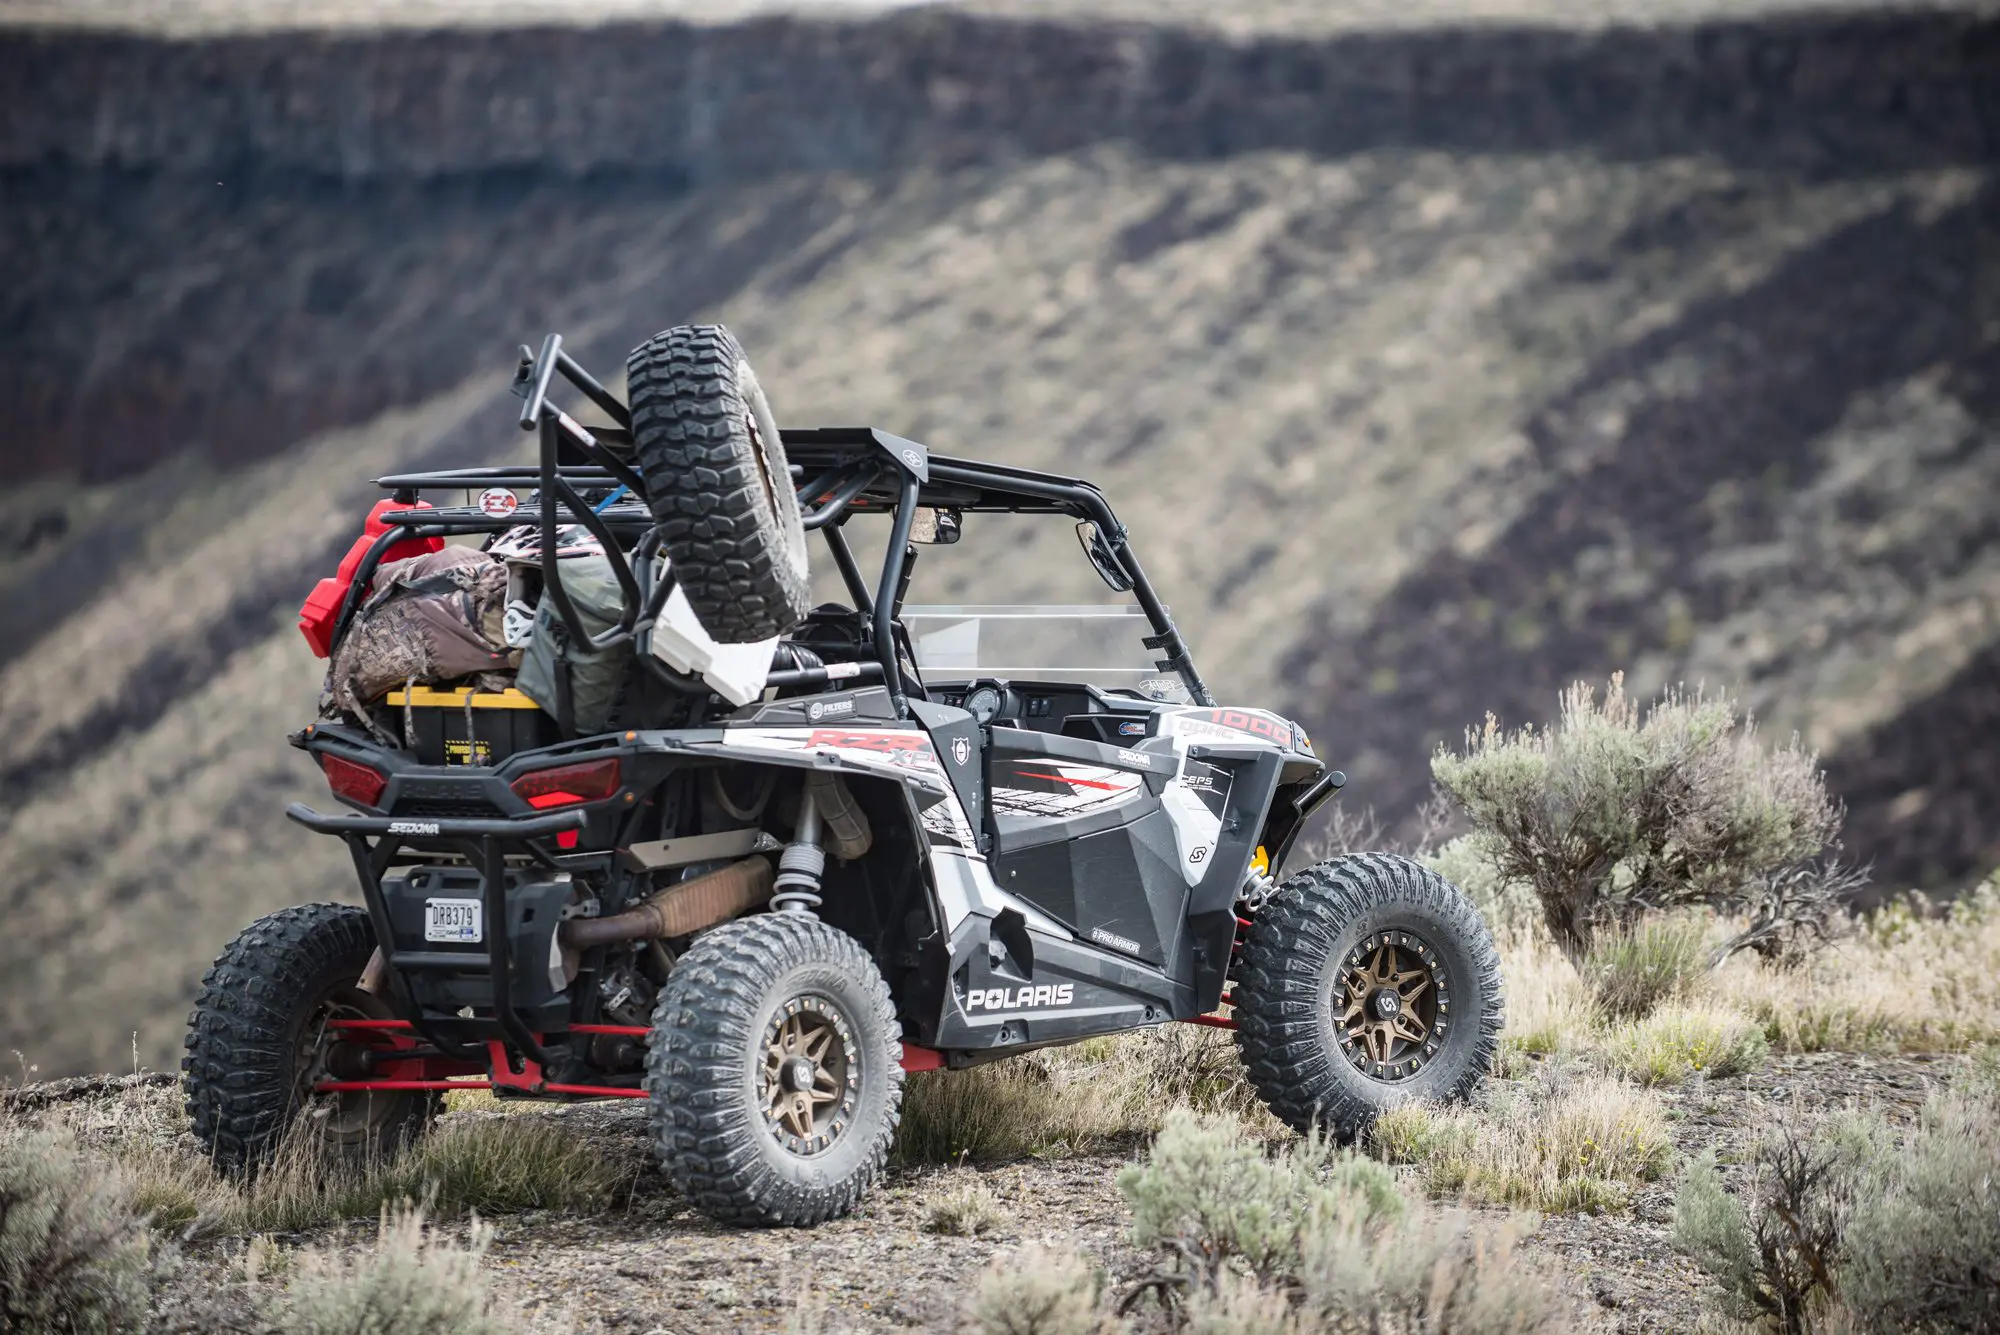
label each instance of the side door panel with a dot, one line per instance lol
(1079, 831)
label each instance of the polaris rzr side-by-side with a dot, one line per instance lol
(631, 818)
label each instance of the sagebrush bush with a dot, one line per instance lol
(1210, 1198)
(1773, 1261)
(74, 1254)
(1925, 1255)
(1312, 1239)
(1842, 1229)
(413, 1282)
(1613, 811)
(1682, 1040)
(1425, 1272)
(1472, 863)
(1034, 1292)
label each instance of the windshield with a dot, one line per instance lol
(1099, 645)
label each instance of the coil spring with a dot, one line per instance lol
(796, 889)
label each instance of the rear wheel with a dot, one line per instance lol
(775, 1072)
(718, 482)
(261, 1038)
(1367, 981)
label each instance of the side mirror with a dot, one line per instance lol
(940, 526)
(1099, 551)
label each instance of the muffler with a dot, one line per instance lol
(708, 899)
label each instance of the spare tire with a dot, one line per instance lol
(718, 482)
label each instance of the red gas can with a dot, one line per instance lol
(321, 612)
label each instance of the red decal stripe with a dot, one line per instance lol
(1064, 778)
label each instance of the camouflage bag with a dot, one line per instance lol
(430, 619)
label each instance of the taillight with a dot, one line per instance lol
(356, 783)
(567, 785)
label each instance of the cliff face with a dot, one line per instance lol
(1432, 368)
(409, 129)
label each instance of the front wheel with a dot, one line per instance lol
(1367, 981)
(775, 1072)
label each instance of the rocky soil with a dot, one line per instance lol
(652, 1265)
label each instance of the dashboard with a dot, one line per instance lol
(1057, 707)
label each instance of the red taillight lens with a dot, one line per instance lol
(356, 783)
(567, 785)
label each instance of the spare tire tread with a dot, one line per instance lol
(705, 489)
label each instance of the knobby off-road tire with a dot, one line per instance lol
(718, 482)
(257, 1041)
(1355, 930)
(740, 990)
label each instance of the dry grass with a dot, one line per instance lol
(1905, 983)
(488, 1164)
(1554, 1143)
(1074, 1100)
(1634, 969)
(964, 1208)
(1684, 1039)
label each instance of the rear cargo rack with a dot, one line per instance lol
(839, 472)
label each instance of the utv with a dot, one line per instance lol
(792, 853)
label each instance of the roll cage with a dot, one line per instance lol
(838, 472)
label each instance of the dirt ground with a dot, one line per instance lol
(653, 1266)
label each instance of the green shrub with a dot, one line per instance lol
(413, 1282)
(74, 1254)
(1613, 811)
(1425, 1272)
(1209, 1197)
(1775, 1254)
(1925, 1255)
(1034, 1292)
(1682, 1040)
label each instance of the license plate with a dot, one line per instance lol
(452, 920)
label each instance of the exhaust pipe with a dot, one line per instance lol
(679, 909)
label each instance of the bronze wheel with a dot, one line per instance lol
(811, 1075)
(262, 1036)
(351, 1118)
(774, 1073)
(1391, 1005)
(1368, 981)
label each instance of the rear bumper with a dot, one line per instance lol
(375, 843)
(424, 831)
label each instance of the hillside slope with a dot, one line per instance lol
(1524, 355)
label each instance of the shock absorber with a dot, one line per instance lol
(802, 863)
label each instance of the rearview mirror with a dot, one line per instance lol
(937, 525)
(1099, 551)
